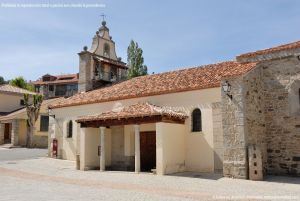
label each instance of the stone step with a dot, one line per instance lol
(153, 171)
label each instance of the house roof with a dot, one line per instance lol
(284, 47)
(143, 111)
(6, 88)
(58, 79)
(21, 113)
(136, 110)
(18, 114)
(202, 77)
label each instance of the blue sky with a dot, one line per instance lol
(173, 34)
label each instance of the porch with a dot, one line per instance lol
(140, 138)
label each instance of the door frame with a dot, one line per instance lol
(143, 148)
(7, 132)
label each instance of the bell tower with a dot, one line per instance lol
(99, 66)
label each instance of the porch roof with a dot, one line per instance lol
(134, 114)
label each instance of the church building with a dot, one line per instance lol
(240, 118)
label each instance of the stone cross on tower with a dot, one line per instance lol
(103, 17)
(99, 65)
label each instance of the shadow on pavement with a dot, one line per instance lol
(210, 176)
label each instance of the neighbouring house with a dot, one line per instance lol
(13, 118)
(53, 86)
(11, 100)
(13, 127)
(241, 118)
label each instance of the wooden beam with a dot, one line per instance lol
(123, 121)
(131, 120)
(173, 120)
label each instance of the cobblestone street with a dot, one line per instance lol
(41, 178)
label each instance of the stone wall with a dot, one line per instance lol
(254, 112)
(85, 71)
(282, 115)
(264, 112)
(2, 128)
(235, 163)
(218, 137)
(15, 132)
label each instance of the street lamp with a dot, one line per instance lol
(227, 88)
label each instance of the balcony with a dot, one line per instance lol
(108, 77)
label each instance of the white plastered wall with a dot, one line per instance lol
(10, 102)
(170, 148)
(199, 149)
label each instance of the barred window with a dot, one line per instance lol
(70, 129)
(196, 120)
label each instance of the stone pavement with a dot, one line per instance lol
(44, 178)
(7, 153)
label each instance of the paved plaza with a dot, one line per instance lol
(29, 175)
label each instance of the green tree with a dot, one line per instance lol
(135, 60)
(33, 111)
(2, 81)
(21, 83)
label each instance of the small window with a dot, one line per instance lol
(22, 102)
(70, 129)
(44, 123)
(61, 90)
(196, 120)
(51, 88)
(106, 50)
(37, 89)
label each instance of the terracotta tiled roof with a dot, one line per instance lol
(21, 113)
(196, 78)
(288, 46)
(134, 111)
(59, 79)
(16, 90)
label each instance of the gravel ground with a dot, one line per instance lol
(51, 179)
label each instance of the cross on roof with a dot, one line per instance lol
(103, 17)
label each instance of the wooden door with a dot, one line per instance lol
(7, 132)
(148, 150)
